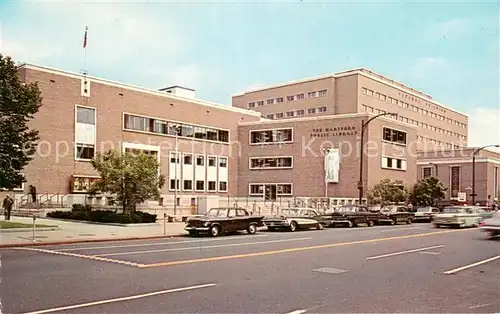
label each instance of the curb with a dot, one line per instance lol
(28, 229)
(2, 246)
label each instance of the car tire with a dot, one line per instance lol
(392, 222)
(252, 229)
(320, 226)
(293, 226)
(350, 224)
(370, 223)
(215, 231)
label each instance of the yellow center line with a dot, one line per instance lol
(298, 249)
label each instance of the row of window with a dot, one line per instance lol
(289, 98)
(425, 112)
(394, 136)
(299, 112)
(439, 143)
(271, 136)
(279, 189)
(158, 126)
(271, 163)
(199, 185)
(416, 123)
(393, 163)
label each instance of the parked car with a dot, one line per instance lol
(351, 216)
(394, 214)
(491, 225)
(293, 219)
(459, 216)
(223, 220)
(426, 213)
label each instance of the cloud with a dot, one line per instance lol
(484, 127)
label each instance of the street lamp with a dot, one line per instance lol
(473, 194)
(176, 129)
(435, 168)
(363, 127)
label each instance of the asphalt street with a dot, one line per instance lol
(405, 268)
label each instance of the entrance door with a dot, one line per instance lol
(270, 192)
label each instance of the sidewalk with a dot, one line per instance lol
(86, 232)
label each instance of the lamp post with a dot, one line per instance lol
(435, 168)
(363, 127)
(176, 129)
(473, 194)
(325, 152)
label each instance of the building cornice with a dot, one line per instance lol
(429, 162)
(138, 89)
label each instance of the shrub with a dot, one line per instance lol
(81, 208)
(83, 213)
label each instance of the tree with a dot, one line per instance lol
(387, 191)
(19, 103)
(132, 177)
(427, 192)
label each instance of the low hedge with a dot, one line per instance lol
(103, 216)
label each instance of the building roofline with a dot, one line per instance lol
(175, 86)
(138, 89)
(367, 73)
(326, 117)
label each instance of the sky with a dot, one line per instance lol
(449, 50)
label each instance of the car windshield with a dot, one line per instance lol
(290, 212)
(347, 209)
(388, 209)
(217, 212)
(424, 209)
(453, 210)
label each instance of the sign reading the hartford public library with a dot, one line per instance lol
(334, 131)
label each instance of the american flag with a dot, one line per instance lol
(85, 38)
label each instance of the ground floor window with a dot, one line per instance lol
(212, 186)
(200, 185)
(270, 190)
(222, 186)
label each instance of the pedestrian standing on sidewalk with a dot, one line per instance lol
(7, 206)
(33, 193)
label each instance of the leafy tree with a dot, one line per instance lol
(386, 192)
(427, 192)
(18, 104)
(132, 177)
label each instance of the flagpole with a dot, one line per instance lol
(85, 52)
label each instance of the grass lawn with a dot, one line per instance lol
(10, 225)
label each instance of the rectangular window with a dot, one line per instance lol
(260, 103)
(270, 101)
(279, 99)
(188, 159)
(271, 136)
(290, 114)
(271, 162)
(188, 185)
(200, 160)
(284, 189)
(270, 116)
(212, 161)
(279, 115)
(158, 126)
(369, 92)
(85, 151)
(222, 186)
(200, 185)
(172, 184)
(301, 112)
(394, 136)
(311, 110)
(393, 163)
(311, 94)
(251, 104)
(85, 115)
(212, 186)
(427, 172)
(290, 98)
(173, 159)
(300, 96)
(322, 93)
(256, 189)
(222, 162)
(322, 109)
(455, 181)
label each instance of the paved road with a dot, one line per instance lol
(379, 269)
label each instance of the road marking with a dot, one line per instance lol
(456, 270)
(77, 306)
(298, 249)
(96, 258)
(156, 244)
(398, 229)
(483, 305)
(329, 270)
(297, 312)
(430, 253)
(202, 247)
(405, 252)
